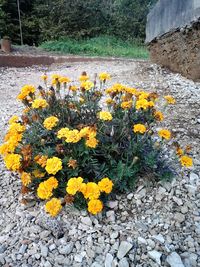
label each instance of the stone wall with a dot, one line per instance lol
(179, 50)
(173, 36)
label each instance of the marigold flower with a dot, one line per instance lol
(91, 142)
(131, 91)
(50, 122)
(83, 78)
(92, 191)
(64, 80)
(126, 104)
(13, 119)
(170, 99)
(62, 133)
(166, 134)
(87, 85)
(73, 88)
(55, 76)
(39, 103)
(179, 151)
(72, 163)
(74, 185)
(12, 162)
(38, 174)
(142, 103)
(25, 178)
(158, 115)
(105, 185)
(110, 101)
(44, 77)
(44, 191)
(26, 91)
(104, 76)
(73, 136)
(186, 161)
(52, 182)
(53, 206)
(95, 206)
(41, 160)
(139, 128)
(105, 115)
(53, 165)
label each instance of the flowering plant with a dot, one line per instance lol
(77, 142)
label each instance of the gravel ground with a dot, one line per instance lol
(153, 226)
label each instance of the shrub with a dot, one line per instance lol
(77, 142)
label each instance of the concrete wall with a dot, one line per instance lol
(168, 15)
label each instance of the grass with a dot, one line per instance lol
(98, 46)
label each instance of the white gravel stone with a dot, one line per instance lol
(108, 260)
(123, 263)
(174, 260)
(155, 255)
(123, 249)
(86, 220)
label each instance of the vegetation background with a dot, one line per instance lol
(45, 20)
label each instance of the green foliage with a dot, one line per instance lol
(98, 46)
(44, 20)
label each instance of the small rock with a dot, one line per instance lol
(23, 249)
(184, 209)
(179, 217)
(174, 260)
(159, 238)
(110, 215)
(47, 264)
(67, 249)
(155, 255)
(112, 204)
(123, 263)
(178, 201)
(52, 247)
(44, 251)
(78, 258)
(194, 178)
(108, 260)
(142, 241)
(130, 196)
(114, 235)
(123, 249)
(86, 220)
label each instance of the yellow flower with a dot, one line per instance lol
(92, 191)
(132, 91)
(25, 178)
(39, 103)
(139, 128)
(84, 78)
(110, 101)
(179, 151)
(91, 142)
(44, 77)
(104, 76)
(186, 161)
(44, 191)
(158, 115)
(50, 122)
(64, 80)
(53, 206)
(55, 76)
(38, 174)
(62, 133)
(41, 160)
(13, 119)
(74, 185)
(105, 115)
(166, 134)
(52, 182)
(126, 104)
(143, 95)
(95, 206)
(81, 100)
(73, 88)
(73, 136)
(26, 91)
(170, 99)
(53, 165)
(105, 185)
(87, 85)
(72, 163)
(12, 162)
(142, 103)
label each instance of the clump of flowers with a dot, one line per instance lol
(82, 143)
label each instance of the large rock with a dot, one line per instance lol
(174, 260)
